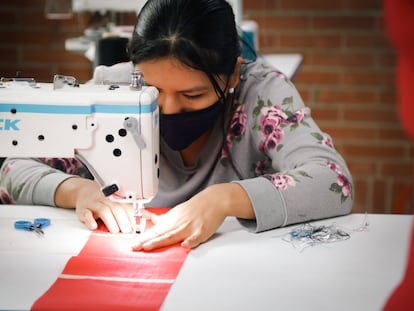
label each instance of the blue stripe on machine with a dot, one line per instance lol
(79, 109)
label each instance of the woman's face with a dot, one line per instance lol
(180, 87)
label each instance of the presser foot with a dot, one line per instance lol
(139, 208)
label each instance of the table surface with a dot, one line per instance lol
(236, 269)
(287, 63)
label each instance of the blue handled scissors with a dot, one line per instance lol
(35, 226)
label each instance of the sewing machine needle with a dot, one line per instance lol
(138, 207)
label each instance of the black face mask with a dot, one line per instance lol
(179, 130)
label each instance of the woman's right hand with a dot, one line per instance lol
(90, 203)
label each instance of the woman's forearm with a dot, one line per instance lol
(69, 190)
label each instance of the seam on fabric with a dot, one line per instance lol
(115, 279)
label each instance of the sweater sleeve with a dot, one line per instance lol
(30, 181)
(296, 174)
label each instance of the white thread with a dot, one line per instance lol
(115, 279)
(309, 235)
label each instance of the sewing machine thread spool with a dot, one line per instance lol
(136, 81)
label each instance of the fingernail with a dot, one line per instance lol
(114, 230)
(148, 246)
(185, 244)
(137, 247)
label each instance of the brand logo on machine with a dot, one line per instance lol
(9, 124)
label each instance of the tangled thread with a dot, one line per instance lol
(307, 234)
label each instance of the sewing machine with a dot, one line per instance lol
(112, 129)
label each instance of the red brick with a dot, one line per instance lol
(56, 55)
(27, 4)
(281, 23)
(310, 5)
(305, 94)
(8, 71)
(376, 40)
(361, 199)
(351, 133)
(402, 168)
(342, 59)
(315, 41)
(362, 195)
(371, 5)
(373, 151)
(365, 167)
(369, 78)
(393, 134)
(342, 96)
(8, 55)
(259, 5)
(320, 77)
(380, 197)
(268, 42)
(25, 37)
(39, 19)
(369, 116)
(325, 114)
(344, 23)
(386, 59)
(403, 197)
(388, 96)
(7, 18)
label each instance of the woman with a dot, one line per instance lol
(236, 139)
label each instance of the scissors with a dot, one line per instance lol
(35, 226)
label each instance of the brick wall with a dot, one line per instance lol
(36, 46)
(347, 76)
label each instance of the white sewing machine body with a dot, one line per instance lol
(112, 130)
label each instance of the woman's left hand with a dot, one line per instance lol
(196, 220)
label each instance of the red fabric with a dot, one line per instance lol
(108, 275)
(402, 298)
(399, 22)
(71, 295)
(405, 82)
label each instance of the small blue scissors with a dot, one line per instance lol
(35, 226)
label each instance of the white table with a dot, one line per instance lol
(235, 270)
(287, 63)
(28, 264)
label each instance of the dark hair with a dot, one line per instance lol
(201, 34)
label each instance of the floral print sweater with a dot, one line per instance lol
(269, 144)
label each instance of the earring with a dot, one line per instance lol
(231, 90)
